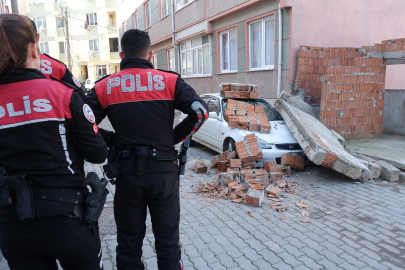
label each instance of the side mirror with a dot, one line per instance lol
(214, 115)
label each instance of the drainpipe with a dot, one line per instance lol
(280, 48)
(174, 40)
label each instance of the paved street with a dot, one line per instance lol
(365, 231)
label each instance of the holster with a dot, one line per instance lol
(141, 153)
(96, 199)
(112, 169)
(24, 196)
(6, 193)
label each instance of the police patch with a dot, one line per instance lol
(77, 82)
(88, 113)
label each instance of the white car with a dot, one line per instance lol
(218, 136)
(89, 85)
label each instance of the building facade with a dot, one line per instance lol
(93, 34)
(209, 42)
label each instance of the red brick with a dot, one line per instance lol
(270, 166)
(294, 161)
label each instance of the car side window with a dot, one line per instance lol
(213, 106)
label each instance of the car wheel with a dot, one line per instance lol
(192, 143)
(229, 145)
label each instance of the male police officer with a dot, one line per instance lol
(140, 103)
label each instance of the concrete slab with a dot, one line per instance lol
(321, 145)
(390, 148)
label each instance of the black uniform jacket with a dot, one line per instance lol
(140, 103)
(45, 131)
(55, 69)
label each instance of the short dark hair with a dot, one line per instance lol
(135, 42)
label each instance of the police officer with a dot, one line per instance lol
(55, 69)
(140, 102)
(45, 130)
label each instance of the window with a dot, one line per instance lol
(182, 3)
(171, 59)
(93, 44)
(43, 47)
(113, 44)
(111, 21)
(40, 22)
(228, 51)
(101, 70)
(147, 15)
(134, 21)
(165, 7)
(154, 60)
(261, 44)
(92, 18)
(213, 106)
(62, 47)
(195, 57)
(59, 22)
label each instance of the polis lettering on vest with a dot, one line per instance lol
(41, 105)
(128, 82)
(46, 67)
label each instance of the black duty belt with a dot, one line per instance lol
(66, 195)
(152, 154)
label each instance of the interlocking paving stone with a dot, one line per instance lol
(366, 231)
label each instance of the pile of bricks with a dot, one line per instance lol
(246, 116)
(249, 149)
(272, 167)
(238, 90)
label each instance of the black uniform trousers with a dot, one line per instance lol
(160, 193)
(37, 244)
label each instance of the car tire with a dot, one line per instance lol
(229, 145)
(192, 142)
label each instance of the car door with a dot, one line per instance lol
(209, 132)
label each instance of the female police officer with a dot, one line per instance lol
(45, 131)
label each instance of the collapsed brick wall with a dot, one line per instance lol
(348, 85)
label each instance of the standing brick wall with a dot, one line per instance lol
(352, 101)
(348, 85)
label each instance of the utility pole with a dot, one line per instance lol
(14, 7)
(65, 19)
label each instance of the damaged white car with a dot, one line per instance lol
(218, 136)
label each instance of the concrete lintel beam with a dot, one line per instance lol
(387, 55)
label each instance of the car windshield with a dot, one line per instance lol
(269, 110)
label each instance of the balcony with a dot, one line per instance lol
(114, 56)
(110, 4)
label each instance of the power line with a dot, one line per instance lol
(93, 25)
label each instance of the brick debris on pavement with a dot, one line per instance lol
(353, 225)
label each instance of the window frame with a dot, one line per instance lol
(173, 52)
(94, 16)
(65, 48)
(168, 8)
(98, 44)
(109, 40)
(43, 18)
(100, 67)
(183, 54)
(262, 19)
(147, 19)
(57, 17)
(220, 34)
(134, 21)
(43, 43)
(154, 60)
(183, 5)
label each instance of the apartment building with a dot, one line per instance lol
(210, 41)
(93, 34)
